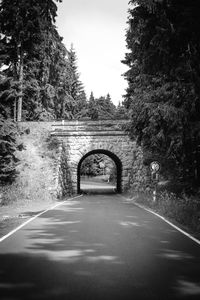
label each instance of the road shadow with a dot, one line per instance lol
(89, 249)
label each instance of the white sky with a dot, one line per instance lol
(97, 30)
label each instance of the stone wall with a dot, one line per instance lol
(77, 147)
(82, 138)
(64, 181)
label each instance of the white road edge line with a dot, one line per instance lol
(36, 216)
(164, 219)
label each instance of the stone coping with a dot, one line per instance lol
(88, 133)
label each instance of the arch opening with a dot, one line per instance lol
(116, 162)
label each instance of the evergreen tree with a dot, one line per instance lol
(111, 108)
(53, 76)
(121, 112)
(76, 88)
(92, 108)
(17, 25)
(82, 105)
(101, 108)
(8, 133)
(106, 109)
(163, 83)
(22, 25)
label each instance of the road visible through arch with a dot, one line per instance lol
(94, 185)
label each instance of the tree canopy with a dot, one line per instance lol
(101, 108)
(162, 97)
(33, 55)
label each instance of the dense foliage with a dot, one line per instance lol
(8, 133)
(32, 54)
(98, 164)
(76, 88)
(163, 95)
(101, 108)
(42, 72)
(8, 146)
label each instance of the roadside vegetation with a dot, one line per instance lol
(182, 210)
(34, 180)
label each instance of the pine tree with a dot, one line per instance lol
(106, 108)
(8, 132)
(163, 82)
(121, 112)
(53, 74)
(21, 26)
(16, 27)
(76, 88)
(101, 108)
(92, 108)
(110, 105)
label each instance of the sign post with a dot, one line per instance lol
(155, 167)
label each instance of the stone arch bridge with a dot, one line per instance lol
(79, 139)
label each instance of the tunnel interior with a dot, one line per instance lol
(115, 160)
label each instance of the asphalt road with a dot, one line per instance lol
(99, 247)
(95, 187)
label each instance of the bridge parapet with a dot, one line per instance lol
(89, 128)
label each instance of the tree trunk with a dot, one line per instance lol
(15, 111)
(21, 79)
(19, 110)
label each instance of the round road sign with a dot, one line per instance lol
(155, 166)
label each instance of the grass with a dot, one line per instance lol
(183, 210)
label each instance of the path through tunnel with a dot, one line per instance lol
(99, 172)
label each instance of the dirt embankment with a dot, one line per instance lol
(33, 190)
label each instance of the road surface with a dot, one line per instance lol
(99, 247)
(97, 187)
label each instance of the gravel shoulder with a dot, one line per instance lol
(15, 214)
